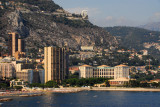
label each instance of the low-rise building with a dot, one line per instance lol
(103, 71)
(17, 82)
(73, 69)
(119, 81)
(86, 71)
(25, 74)
(121, 71)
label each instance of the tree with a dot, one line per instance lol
(51, 84)
(18, 87)
(3, 85)
(154, 84)
(133, 83)
(107, 83)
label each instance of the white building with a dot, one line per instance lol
(103, 71)
(121, 71)
(87, 48)
(86, 71)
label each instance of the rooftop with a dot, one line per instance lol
(121, 65)
(103, 66)
(85, 66)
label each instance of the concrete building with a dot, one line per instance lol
(25, 74)
(17, 82)
(38, 76)
(103, 71)
(73, 69)
(7, 70)
(21, 45)
(119, 81)
(86, 71)
(55, 64)
(121, 71)
(121, 75)
(87, 48)
(15, 44)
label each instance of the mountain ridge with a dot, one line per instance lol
(137, 38)
(154, 26)
(43, 27)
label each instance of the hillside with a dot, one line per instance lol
(137, 38)
(43, 23)
(155, 26)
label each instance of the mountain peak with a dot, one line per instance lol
(154, 26)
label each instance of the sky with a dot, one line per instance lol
(107, 13)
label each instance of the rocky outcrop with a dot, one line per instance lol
(40, 29)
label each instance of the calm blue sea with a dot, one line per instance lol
(89, 99)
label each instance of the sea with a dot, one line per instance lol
(89, 99)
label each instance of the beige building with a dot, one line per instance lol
(121, 71)
(15, 44)
(7, 70)
(103, 71)
(121, 75)
(86, 71)
(119, 81)
(17, 82)
(55, 64)
(87, 48)
(25, 74)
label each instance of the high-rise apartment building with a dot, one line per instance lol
(15, 44)
(55, 64)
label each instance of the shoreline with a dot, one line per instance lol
(126, 89)
(76, 90)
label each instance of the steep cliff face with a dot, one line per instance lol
(43, 29)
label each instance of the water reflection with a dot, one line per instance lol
(88, 99)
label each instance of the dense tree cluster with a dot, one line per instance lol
(135, 83)
(83, 81)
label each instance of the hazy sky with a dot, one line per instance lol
(115, 12)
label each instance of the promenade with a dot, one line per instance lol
(124, 89)
(76, 89)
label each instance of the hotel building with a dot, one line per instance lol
(103, 71)
(85, 71)
(121, 71)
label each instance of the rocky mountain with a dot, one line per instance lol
(137, 38)
(43, 23)
(155, 26)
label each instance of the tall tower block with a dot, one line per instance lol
(55, 64)
(13, 43)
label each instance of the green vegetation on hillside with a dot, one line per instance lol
(44, 5)
(132, 37)
(116, 59)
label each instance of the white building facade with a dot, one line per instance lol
(86, 71)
